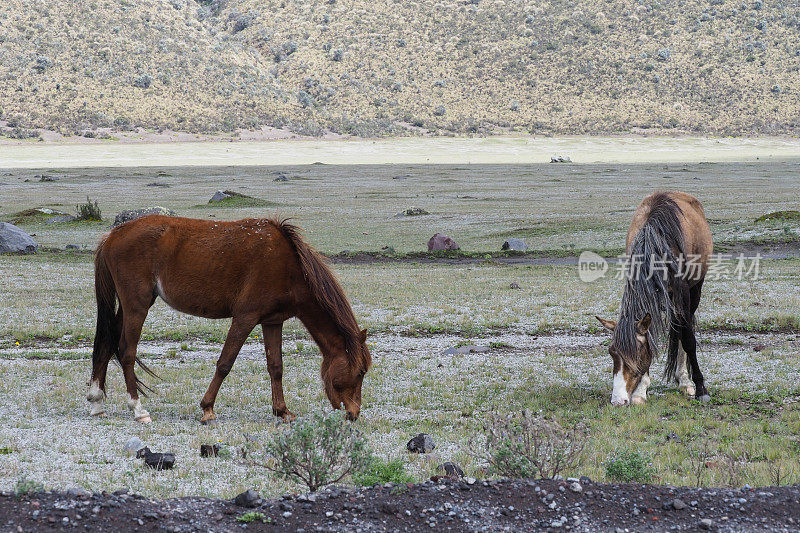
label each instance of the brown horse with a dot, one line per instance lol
(255, 271)
(668, 248)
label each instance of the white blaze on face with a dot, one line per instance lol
(639, 396)
(96, 397)
(619, 395)
(139, 412)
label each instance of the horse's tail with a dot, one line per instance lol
(328, 292)
(109, 319)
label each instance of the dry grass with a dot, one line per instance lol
(381, 68)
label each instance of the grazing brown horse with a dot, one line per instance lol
(256, 271)
(668, 248)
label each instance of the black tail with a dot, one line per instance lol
(109, 320)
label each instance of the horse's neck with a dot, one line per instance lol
(323, 329)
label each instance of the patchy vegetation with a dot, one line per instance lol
(371, 69)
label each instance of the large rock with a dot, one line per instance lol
(441, 242)
(219, 196)
(515, 244)
(132, 214)
(15, 241)
(422, 443)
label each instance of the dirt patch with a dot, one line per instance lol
(443, 504)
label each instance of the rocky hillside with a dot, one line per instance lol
(377, 68)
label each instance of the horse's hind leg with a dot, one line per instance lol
(132, 323)
(272, 344)
(240, 329)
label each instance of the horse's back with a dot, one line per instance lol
(698, 244)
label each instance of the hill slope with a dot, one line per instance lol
(374, 68)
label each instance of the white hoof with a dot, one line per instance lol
(638, 400)
(619, 402)
(688, 390)
(144, 419)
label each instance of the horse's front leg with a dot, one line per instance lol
(237, 335)
(273, 346)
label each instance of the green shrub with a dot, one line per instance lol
(630, 467)
(26, 486)
(89, 211)
(524, 445)
(378, 471)
(317, 450)
(252, 516)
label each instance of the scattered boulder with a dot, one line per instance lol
(422, 443)
(46, 177)
(79, 492)
(560, 159)
(156, 460)
(132, 214)
(678, 504)
(280, 177)
(576, 487)
(133, 445)
(15, 241)
(451, 470)
(515, 244)
(706, 523)
(73, 247)
(514, 285)
(412, 212)
(248, 498)
(440, 242)
(209, 450)
(219, 196)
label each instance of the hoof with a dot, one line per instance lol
(210, 422)
(705, 398)
(688, 390)
(638, 400)
(144, 419)
(101, 414)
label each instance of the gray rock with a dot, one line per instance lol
(515, 244)
(79, 492)
(439, 111)
(412, 212)
(678, 504)
(133, 445)
(450, 470)
(248, 498)
(133, 214)
(514, 285)
(440, 242)
(422, 443)
(15, 241)
(219, 196)
(560, 159)
(73, 247)
(576, 487)
(706, 523)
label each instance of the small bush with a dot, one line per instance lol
(252, 516)
(526, 446)
(26, 486)
(630, 467)
(317, 450)
(89, 211)
(378, 471)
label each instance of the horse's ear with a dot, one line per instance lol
(608, 324)
(643, 325)
(363, 335)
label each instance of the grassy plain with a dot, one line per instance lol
(546, 353)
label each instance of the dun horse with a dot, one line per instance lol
(668, 247)
(255, 271)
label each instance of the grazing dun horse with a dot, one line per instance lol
(668, 250)
(255, 271)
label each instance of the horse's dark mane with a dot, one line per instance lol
(328, 293)
(647, 287)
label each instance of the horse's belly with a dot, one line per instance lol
(193, 304)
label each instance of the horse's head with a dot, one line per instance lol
(631, 360)
(343, 375)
